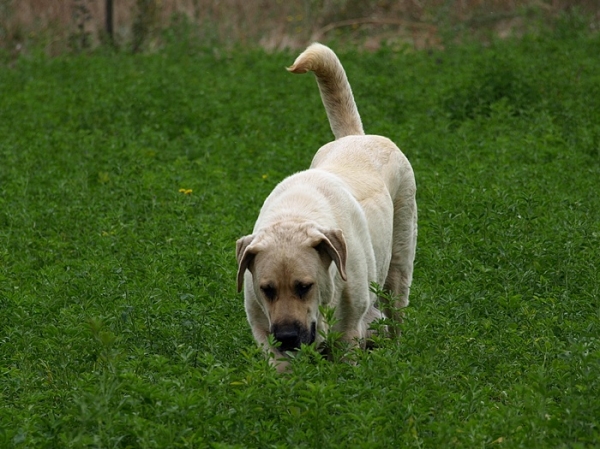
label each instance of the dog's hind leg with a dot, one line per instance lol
(372, 315)
(399, 277)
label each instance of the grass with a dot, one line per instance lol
(120, 325)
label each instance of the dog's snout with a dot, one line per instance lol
(292, 335)
(288, 335)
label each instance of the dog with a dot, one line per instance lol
(325, 234)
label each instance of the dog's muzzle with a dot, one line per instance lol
(292, 335)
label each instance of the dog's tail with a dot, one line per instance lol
(334, 87)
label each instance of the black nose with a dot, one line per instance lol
(288, 335)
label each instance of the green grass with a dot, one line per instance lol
(119, 321)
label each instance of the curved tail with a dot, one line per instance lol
(334, 87)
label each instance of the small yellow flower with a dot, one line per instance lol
(265, 176)
(186, 191)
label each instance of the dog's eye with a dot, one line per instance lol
(269, 292)
(303, 289)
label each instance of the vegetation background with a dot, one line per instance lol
(128, 168)
(59, 25)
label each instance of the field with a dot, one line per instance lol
(126, 179)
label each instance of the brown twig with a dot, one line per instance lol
(318, 34)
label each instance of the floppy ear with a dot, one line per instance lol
(331, 242)
(244, 256)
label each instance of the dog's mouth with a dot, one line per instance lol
(293, 334)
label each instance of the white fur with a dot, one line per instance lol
(359, 195)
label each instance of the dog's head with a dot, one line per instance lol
(289, 263)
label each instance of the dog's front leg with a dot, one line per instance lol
(276, 358)
(351, 323)
(260, 326)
